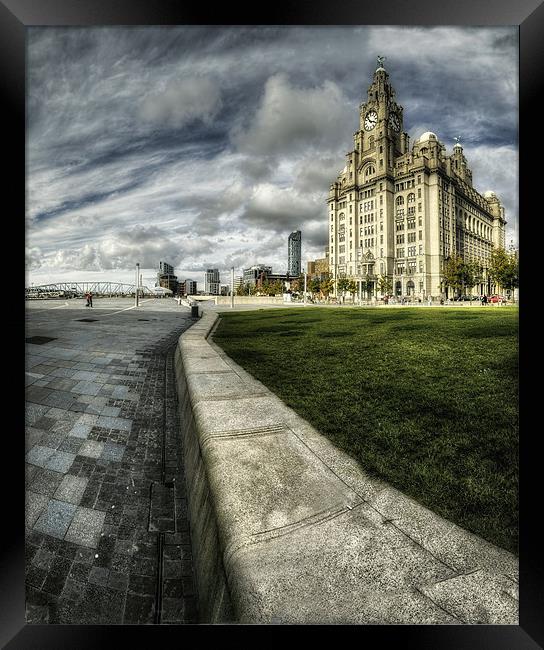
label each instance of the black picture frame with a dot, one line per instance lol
(15, 17)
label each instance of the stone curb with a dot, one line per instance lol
(286, 528)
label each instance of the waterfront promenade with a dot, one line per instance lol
(107, 537)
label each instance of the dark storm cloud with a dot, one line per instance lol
(205, 144)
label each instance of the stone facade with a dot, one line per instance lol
(400, 212)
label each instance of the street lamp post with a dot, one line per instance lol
(232, 288)
(136, 285)
(305, 288)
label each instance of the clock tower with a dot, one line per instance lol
(380, 132)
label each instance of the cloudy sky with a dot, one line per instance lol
(206, 146)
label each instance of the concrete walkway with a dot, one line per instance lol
(303, 534)
(107, 538)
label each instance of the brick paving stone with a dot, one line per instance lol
(43, 559)
(85, 527)
(99, 575)
(35, 504)
(102, 405)
(46, 481)
(59, 461)
(71, 489)
(38, 455)
(55, 519)
(113, 452)
(92, 449)
(81, 430)
(86, 388)
(114, 423)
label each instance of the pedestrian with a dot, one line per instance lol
(87, 299)
(484, 299)
(90, 299)
(430, 301)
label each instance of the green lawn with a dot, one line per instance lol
(426, 399)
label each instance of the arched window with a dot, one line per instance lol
(370, 170)
(371, 141)
(411, 197)
(399, 200)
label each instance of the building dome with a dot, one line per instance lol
(490, 195)
(428, 135)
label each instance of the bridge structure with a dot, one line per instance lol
(79, 289)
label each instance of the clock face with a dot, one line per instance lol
(371, 120)
(394, 122)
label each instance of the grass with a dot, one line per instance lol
(426, 399)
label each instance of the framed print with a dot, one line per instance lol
(266, 137)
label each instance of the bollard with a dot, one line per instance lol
(194, 311)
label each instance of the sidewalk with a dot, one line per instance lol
(105, 493)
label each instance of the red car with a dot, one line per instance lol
(496, 299)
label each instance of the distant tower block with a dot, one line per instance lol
(294, 253)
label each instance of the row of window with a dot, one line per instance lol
(406, 185)
(410, 251)
(411, 237)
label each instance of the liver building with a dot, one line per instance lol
(400, 213)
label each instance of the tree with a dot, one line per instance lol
(298, 284)
(503, 269)
(314, 286)
(342, 285)
(327, 287)
(385, 285)
(352, 288)
(459, 275)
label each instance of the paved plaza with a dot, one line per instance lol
(107, 536)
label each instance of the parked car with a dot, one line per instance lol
(497, 298)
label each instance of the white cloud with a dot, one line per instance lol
(291, 117)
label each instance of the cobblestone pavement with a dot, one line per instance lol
(107, 536)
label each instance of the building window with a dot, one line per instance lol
(381, 239)
(400, 239)
(399, 200)
(411, 223)
(411, 237)
(421, 249)
(419, 180)
(420, 234)
(421, 266)
(400, 252)
(411, 251)
(411, 197)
